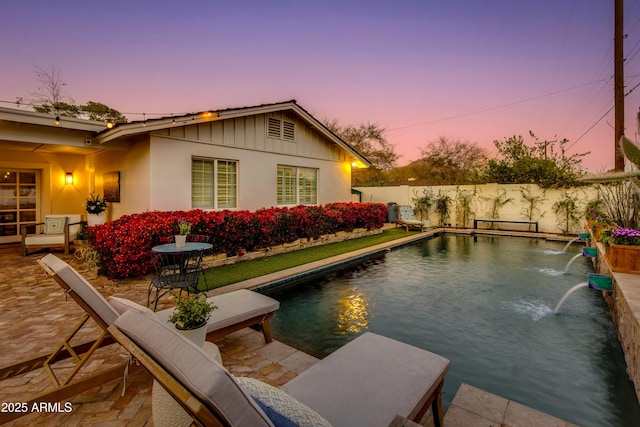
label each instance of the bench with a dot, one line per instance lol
(513, 221)
(57, 231)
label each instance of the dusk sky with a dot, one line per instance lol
(468, 69)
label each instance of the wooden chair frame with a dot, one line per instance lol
(66, 388)
(194, 407)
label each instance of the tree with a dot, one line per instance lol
(541, 163)
(51, 99)
(445, 161)
(101, 112)
(368, 139)
(451, 161)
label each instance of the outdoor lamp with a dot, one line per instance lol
(57, 120)
(68, 178)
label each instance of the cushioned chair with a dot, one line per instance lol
(57, 231)
(368, 382)
(236, 310)
(407, 219)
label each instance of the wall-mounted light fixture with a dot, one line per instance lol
(68, 178)
(109, 124)
(57, 120)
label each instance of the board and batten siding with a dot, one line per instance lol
(250, 133)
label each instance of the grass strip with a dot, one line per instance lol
(232, 273)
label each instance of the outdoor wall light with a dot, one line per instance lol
(68, 178)
(57, 120)
(109, 124)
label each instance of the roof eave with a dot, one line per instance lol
(43, 119)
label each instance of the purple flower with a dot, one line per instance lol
(625, 236)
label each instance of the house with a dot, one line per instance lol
(238, 158)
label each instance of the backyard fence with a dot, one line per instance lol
(489, 201)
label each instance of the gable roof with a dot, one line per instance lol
(131, 129)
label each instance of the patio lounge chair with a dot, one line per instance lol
(236, 310)
(407, 219)
(368, 382)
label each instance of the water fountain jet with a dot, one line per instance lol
(569, 243)
(567, 294)
(566, 267)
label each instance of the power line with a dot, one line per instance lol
(590, 127)
(496, 107)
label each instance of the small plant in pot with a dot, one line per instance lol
(82, 238)
(190, 316)
(184, 228)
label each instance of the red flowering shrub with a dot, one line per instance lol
(125, 244)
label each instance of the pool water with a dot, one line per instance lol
(485, 303)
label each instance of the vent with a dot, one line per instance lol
(273, 128)
(289, 131)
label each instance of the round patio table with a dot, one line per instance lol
(176, 268)
(171, 248)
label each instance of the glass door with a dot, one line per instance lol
(18, 202)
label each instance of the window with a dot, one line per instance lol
(214, 183)
(280, 129)
(297, 186)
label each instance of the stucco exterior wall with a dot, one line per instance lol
(55, 196)
(134, 167)
(170, 172)
(482, 202)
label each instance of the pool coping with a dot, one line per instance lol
(624, 306)
(292, 274)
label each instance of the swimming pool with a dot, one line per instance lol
(486, 304)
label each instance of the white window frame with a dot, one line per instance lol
(293, 186)
(219, 190)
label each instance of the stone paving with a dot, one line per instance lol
(35, 316)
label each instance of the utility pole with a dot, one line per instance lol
(618, 83)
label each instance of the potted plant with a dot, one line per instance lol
(95, 207)
(184, 227)
(600, 224)
(623, 250)
(593, 211)
(190, 317)
(82, 239)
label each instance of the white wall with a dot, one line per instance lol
(170, 172)
(482, 201)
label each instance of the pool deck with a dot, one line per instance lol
(35, 316)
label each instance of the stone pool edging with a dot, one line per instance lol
(624, 306)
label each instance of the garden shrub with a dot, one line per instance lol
(124, 245)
